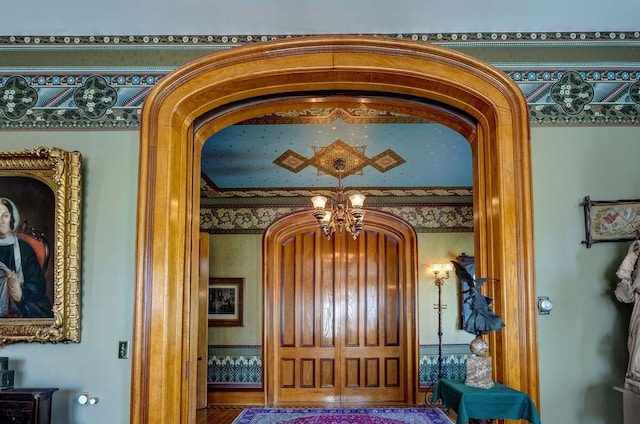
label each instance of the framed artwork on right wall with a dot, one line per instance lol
(610, 220)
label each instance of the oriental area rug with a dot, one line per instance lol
(342, 416)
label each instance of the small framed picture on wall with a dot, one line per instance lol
(225, 302)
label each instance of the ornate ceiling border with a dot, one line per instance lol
(108, 99)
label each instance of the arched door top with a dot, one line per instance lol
(168, 201)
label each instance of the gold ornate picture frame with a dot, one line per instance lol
(40, 221)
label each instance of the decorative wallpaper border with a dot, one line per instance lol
(109, 100)
(226, 41)
(428, 210)
(255, 220)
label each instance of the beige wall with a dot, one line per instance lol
(239, 256)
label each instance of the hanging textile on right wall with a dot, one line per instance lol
(610, 220)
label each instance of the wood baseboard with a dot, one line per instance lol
(235, 398)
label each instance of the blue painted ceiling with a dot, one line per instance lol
(242, 156)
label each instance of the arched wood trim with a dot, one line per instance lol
(304, 222)
(167, 221)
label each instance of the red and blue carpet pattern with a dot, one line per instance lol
(342, 416)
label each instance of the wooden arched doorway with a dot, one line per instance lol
(341, 321)
(240, 83)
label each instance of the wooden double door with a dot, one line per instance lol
(339, 313)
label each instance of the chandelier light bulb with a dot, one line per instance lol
(357, 200)
(327, 217)
(319, 202)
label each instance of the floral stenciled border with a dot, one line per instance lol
(610, 220)
(113, 100)
(255, 219)
(467, 38)
(73, 101)
(428, 210)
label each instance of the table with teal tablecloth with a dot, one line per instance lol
(498, 402)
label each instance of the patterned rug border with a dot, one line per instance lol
(410, 415)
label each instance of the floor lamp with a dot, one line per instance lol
(439, 281)
(441, 273)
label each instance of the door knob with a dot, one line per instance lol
(544, 305)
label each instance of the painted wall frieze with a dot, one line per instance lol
(112, 100)
(465, 38)
(436, 218)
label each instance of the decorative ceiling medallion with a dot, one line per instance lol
(324, 159)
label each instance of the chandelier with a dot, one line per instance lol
(339, 215)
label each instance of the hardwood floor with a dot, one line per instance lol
(217, 415)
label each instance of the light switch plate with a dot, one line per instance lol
(123, 349)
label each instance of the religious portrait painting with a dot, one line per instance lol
(40, 209)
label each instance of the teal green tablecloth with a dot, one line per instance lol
(495, 403)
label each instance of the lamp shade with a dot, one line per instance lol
(319, 202)
(357, 200)
(327, 217)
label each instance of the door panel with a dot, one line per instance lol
(340, 318)
(373, 340)
(308, 349)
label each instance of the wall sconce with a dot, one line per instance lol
(438, 269)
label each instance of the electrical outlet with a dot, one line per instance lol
(123, 349)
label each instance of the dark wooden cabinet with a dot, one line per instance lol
(26, 406)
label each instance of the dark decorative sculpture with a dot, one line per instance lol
(482, 319)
